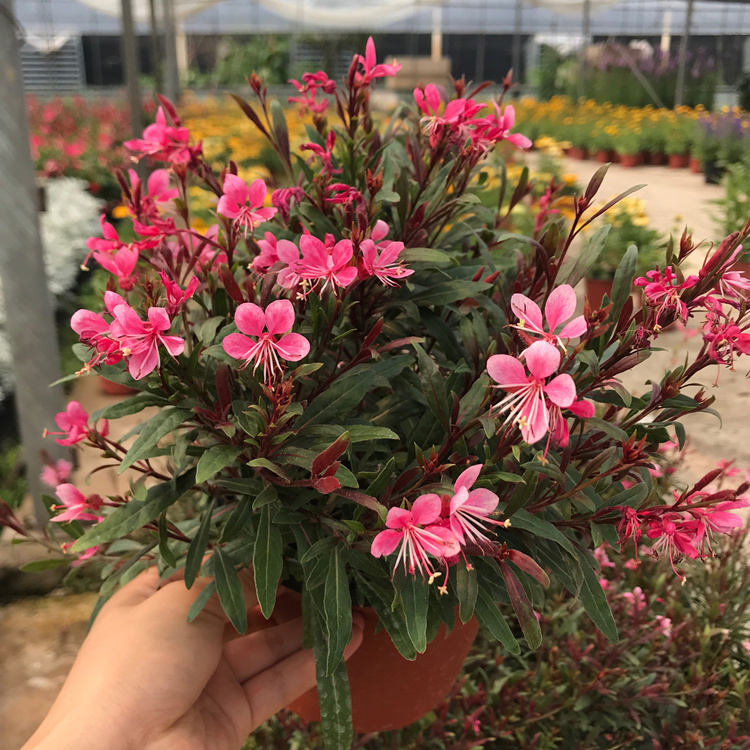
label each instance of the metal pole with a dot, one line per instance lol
(586, 39)
(436, 40)
(680, 87)
(130, 57)
(30, 322)
(155, 55)
(171, 73)
(517, 42)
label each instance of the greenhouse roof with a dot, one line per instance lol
(608, 17)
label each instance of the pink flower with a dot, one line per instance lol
(73, 423)
(164, 142)
(636, 598)
(308, 90)
(243, 203)
(324, 153)
(94, 331)
(663, 294)
(86, 554)
(527, 394)
(291, 275)
(77, 505)
(456, 119)
(470, 509)
(283, 198)
(718, 519)
(344, 194)
(329, 264)
(560, 307)
(558, 424)
(386, 265)
(674, 535)
(416, 532)
(55, 474)
(370, 69)
(176, 296)
(121, 264)
(140, 339)
(268, 255)
(264, 327)
(498, 127)
(109, 243)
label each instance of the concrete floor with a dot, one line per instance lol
(39, 638)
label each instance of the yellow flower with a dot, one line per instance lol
(120, 212)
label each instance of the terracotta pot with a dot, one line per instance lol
(616, 158)
(578, 153)
(678, 161)
(603, 156)
(657, 160)
(696, 167)
(115, 389)
(630, 160)
(389, 692)
(595, 289)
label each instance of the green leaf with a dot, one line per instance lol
(392, 618)
(231, 595)
(415, 594)
(136, 514)
(594, 601)
(267, 560)
(381, 480)
(238, 521)
(334, 695)
(433, 386)
(48, 564)
(132, 405)
(522, 607)
(267, 495)
(622, 284)
(158, 427)
(166, 553)
(521, 495)
(471, 403)
(446, 292)
(198, 546)
(337, 607)
(572, 272)
(539, 527)
(201, 600)
(632, 497)
(338, 400)
(466, 590)
(216, 458)
(424, 255)
(491, 619)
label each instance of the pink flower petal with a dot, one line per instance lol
(385, 542)
(345, 276)
(238, 346)
(398, 518)
(287, 251)
(144, 361)
(537, 419)
(227, 207)
(446, 544)
(527, 310)
(561, 390)
(561, 305)
(426, 509)
(251, 319)
(467, 477)
(173, 344)
(583, 409)
(481, 502)
(507, 371)
(256, 193)
(87, 323)
(293, 347)
(542, 359)
(577, 327)
(342, 253)
(70, 495)
(159, 318)
(279, 317)
(461, 496)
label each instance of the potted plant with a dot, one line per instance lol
(602, 141)
(654, 140)
(629, 226)
(376, 396)
(679, 138)
(706, 143)
(629, 144)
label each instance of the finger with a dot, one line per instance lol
(254, 653)
(269, 691)
(134, 592)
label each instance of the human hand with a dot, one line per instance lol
(146, 679)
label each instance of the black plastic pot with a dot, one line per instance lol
(713, 172)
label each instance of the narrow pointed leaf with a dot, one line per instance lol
(231, 595)
(197, 547)
(216, 458)
(337, 607)
(416, 594)
(158, 427)
(267, 560)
